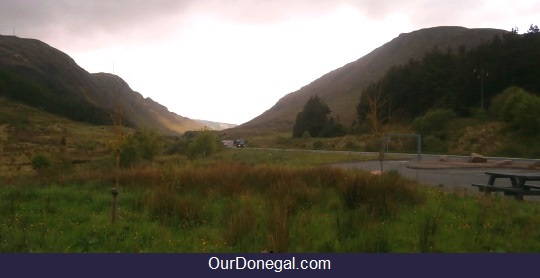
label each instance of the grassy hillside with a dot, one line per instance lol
(26, 132)
(36, 74)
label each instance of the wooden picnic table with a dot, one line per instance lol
(518, 180)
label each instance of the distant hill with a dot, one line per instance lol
(36, 74)
(341, 89)
(216, 125)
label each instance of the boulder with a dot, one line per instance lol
(477, 158)
(376, 172)
(443, 158)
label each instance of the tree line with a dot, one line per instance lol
(461, 82)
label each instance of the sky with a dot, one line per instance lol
(230, 60)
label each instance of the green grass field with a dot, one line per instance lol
(243, 200)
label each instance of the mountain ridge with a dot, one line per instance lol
(37, 74)
(216, 125)
(342, 87)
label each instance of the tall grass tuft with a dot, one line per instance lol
(169, 207)
(427, 231)
(241, 223)
(380, 195)
(278, 236)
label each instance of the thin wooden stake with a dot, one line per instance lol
(114, 193)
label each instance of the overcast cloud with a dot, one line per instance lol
(171, 50)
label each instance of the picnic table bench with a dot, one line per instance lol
(519, 186)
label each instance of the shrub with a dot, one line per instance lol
(519, 108)
(500, 104)
(142, 145)
(41, 161)
(352, 146)
(373, 144)
(179, 146)
(205, 144)
(434, 144)
(318, 145)
(433, 120)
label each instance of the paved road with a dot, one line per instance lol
(446, 177)
(457, 179)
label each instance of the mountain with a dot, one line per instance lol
(36, 74)
(115, 93)
(216, 125)
(341, 88)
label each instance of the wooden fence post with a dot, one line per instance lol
(114, 193)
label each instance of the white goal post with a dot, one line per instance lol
(387, 136)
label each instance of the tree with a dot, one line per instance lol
(371, 107)
(369, 110)
(533, 29)
(332, 128)
(313, 119)
(205, 144)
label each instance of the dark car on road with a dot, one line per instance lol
(239, 143)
